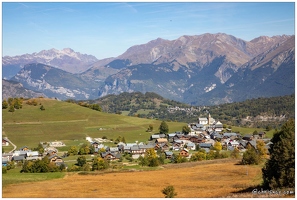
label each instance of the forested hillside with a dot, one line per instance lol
(257, 112)
(260, 112)
(135, 101)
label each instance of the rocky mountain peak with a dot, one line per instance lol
(66, 59)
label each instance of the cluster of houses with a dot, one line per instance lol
(202, 135)
(24, 153)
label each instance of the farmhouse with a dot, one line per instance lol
(247, 137)
(95, 144)
(56, 159)
(32, 154)
(218, 127)
(5, 142)
(184, 153)
(25, 148)
(8, 156)
(110, 156)
(162, 146)
(18, 158)
(205, 145)
(161, 140)
(168, 154)
(191, 146)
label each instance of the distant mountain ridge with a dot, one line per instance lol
(65, 59)
(191, 66)
(200, 70)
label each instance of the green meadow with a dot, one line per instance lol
(14, 176)
(244, 130)
(71, 124)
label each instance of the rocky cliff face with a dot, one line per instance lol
(271, 73)
(191, 66)
(16, 89)
(54, 82)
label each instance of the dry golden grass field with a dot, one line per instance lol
(191, 180)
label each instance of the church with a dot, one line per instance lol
(211, 123)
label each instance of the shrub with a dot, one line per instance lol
(169, 192)
(4, 170)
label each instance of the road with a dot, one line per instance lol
(14, 146)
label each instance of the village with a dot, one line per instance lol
(203, 135)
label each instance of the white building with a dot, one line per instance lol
(202, 120)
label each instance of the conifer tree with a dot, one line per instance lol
(163, 128)
(279, 170)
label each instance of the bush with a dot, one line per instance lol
(235, 154)
(4, 170)
(169, 192)
(199, 156)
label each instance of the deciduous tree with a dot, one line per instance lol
(250, 156)
(151, 157)
(72, 151)
(99, 164)
(4, 104)
(261, 148)
(217, 146)
(81, 161)
(186, 130)
(235, 154)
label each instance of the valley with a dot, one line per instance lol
(148, 100)
(165, 110)
(75, 126)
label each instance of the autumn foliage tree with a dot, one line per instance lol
(99, 164)
(217, 146)
(151, 157)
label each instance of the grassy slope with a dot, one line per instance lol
(243, 131)
(72, 123)
(191, 180)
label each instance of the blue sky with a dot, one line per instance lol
(109, 29)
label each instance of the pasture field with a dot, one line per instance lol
(14, 176)
(215, 178)
(71, 123)
(244, 130)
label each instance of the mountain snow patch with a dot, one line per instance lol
(208, 89)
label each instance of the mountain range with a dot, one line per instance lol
(199, 70)
(65, 59)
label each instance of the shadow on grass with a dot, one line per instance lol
(249, 189)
